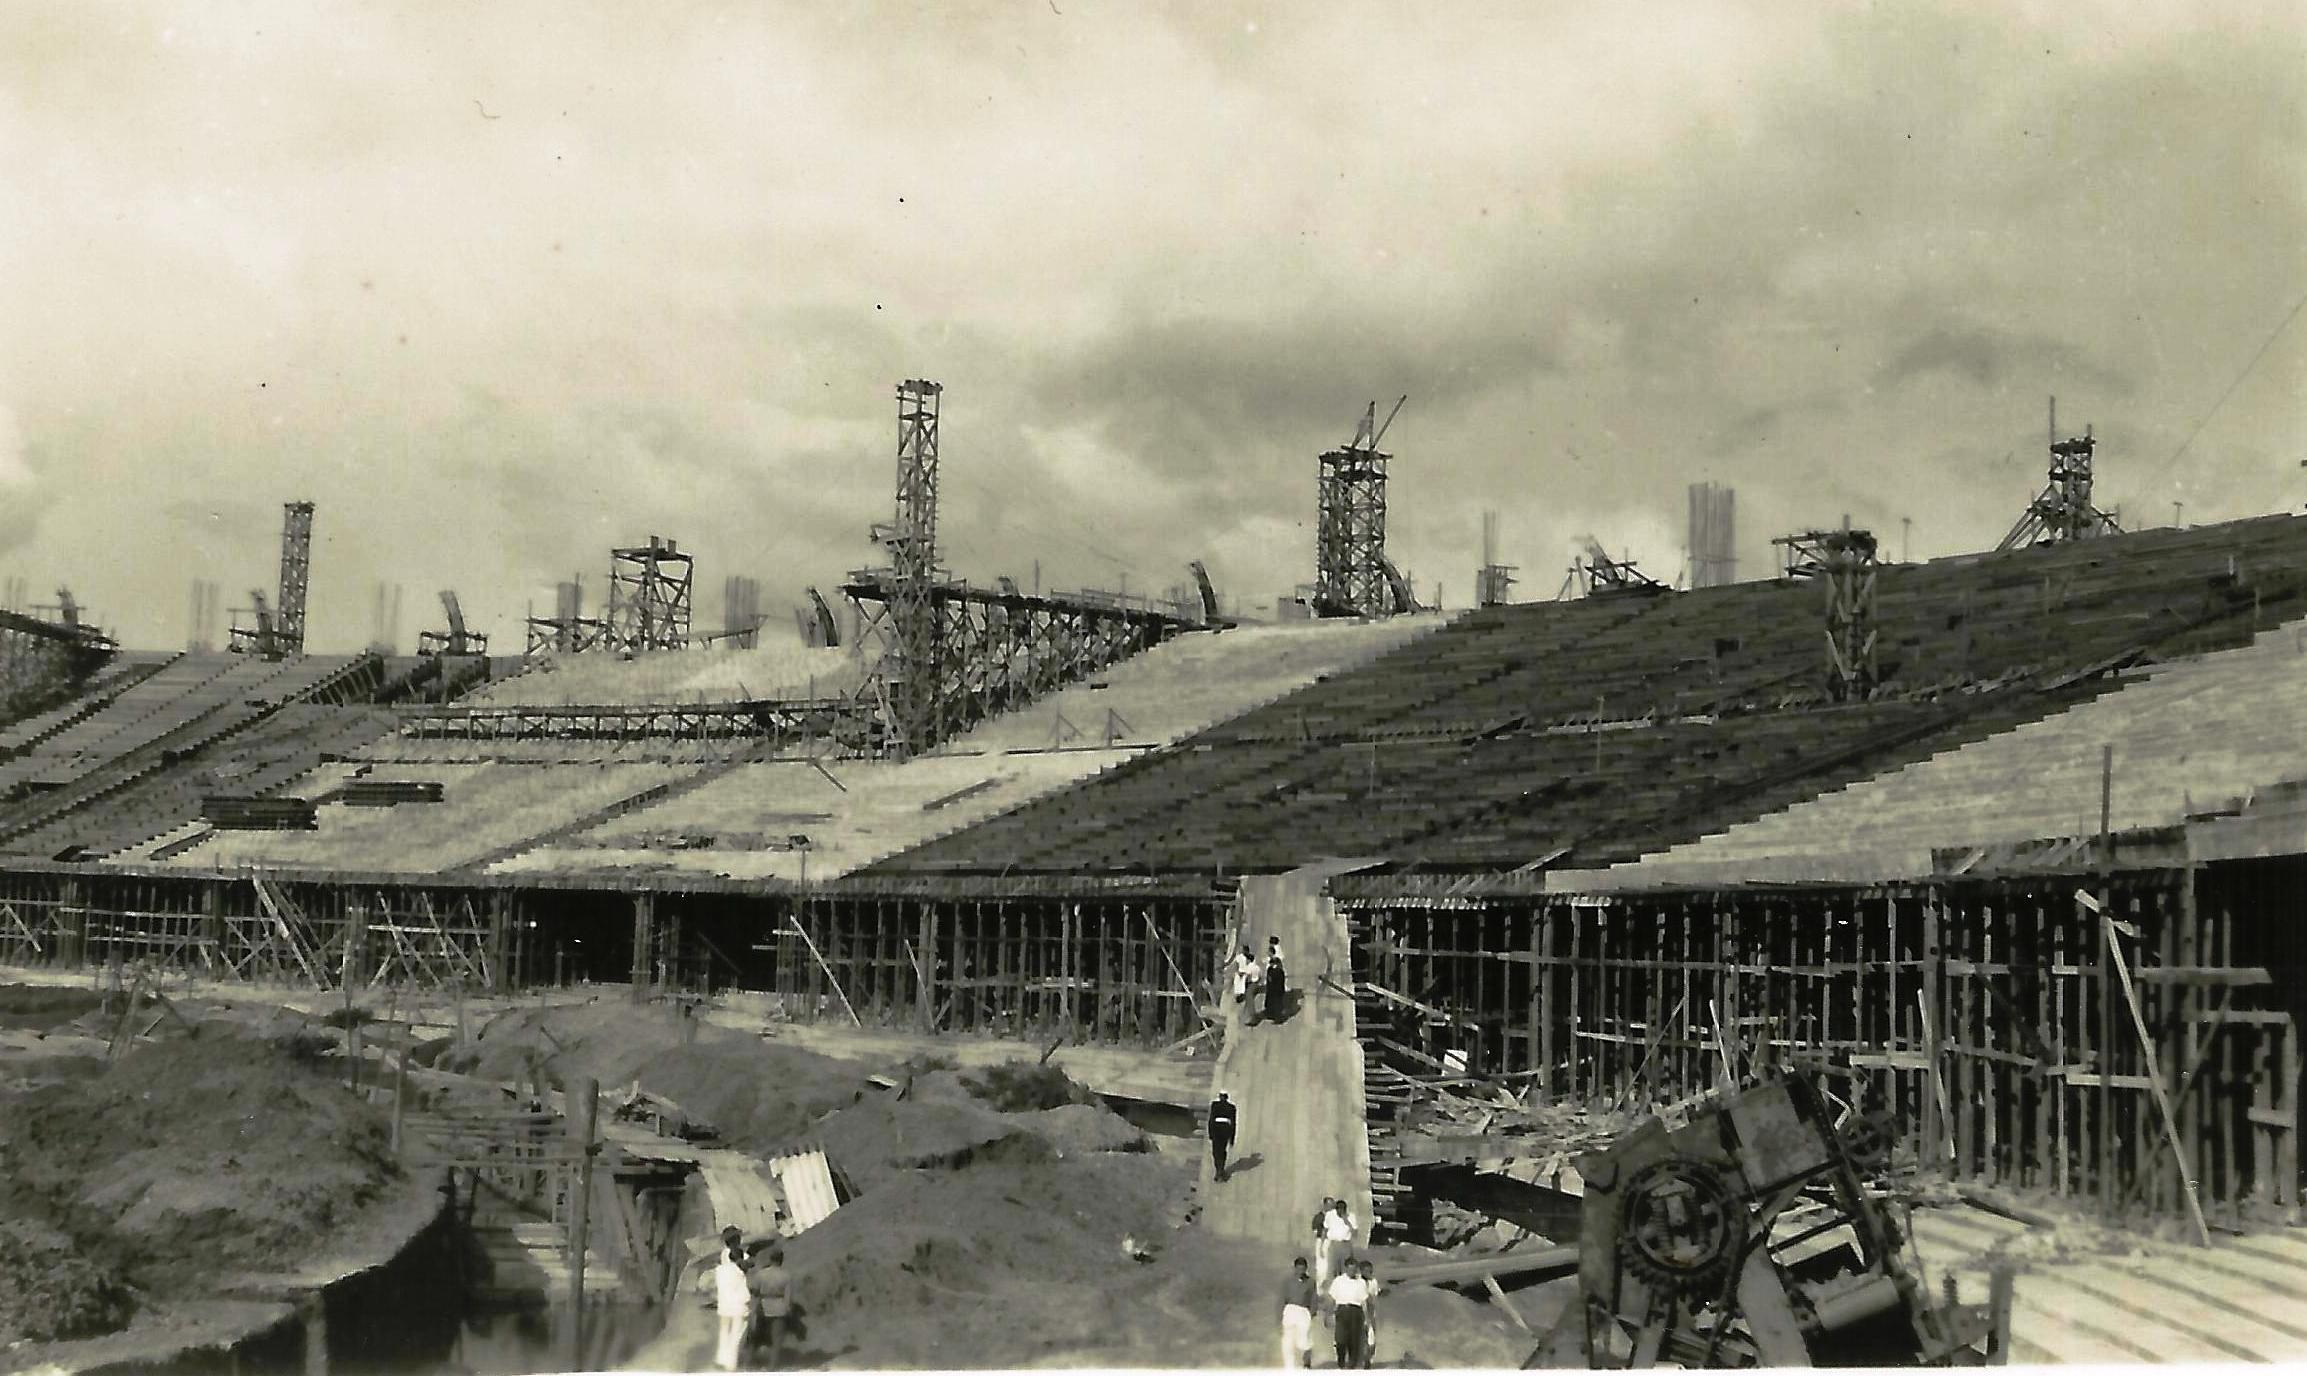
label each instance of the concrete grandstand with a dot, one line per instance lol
(1577, 843)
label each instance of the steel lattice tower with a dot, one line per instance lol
(2065, 510)
(649, 596)
(295, 574)
(1845, 562)
(1350, 527)
(914, 672)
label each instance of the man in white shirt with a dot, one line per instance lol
(733, 1297)
(1337, 1236)
(1350, 1294)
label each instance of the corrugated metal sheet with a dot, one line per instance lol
(808, 1184)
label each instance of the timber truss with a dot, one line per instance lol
(778, 722)
(993, 650)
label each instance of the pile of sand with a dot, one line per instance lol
(875, 1142)
(187, 1161)
(755, 1095)
(991, 1264)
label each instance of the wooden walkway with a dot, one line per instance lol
(1297, 1085)
(2242, 1299)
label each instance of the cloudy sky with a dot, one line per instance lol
(502, 285)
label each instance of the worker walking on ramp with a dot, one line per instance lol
(1333, 1236)
(1298, 1302)
(1221, 1133)
(1351, 1296)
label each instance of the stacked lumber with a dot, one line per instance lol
(388, 792)
(239, 813)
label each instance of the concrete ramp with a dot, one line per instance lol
(1297, 1084)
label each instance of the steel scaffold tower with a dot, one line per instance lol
(2064, 510)
(649, 597)
(946, 655)
(912, 670)
(295, 575)
(1350, 568)
(1844, 561)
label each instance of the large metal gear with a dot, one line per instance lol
(1681, 1226)
(1867, 1140)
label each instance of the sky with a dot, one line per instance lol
(500, 287)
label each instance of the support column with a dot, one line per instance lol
(211, 925)
(644, 941)
(355, 965)
(925, 959)
(504, 911)
(72, 923)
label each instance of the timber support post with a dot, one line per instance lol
(583, 1105)
(644, 942)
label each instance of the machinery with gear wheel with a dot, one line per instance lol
(1750, 1237)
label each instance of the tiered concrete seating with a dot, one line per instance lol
(1187, 684)
(1168, 692)
(863, 812)
(274, 752)
(2190, 735)
(114, 756)
(705, 675)
(26, 732)
(484, 809)
(1472, 748)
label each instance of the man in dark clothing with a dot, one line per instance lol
(1221, 1132)
(772, 1299)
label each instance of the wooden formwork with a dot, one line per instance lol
(1985, 1013)
(1117, 970)
(1125, 969)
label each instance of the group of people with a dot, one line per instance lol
(1269, 977)
(753, 1295)
(1335, 1282)
(1339, 1282)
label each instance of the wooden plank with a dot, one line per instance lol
(1554, 1260)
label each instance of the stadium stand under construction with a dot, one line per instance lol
(1607, 846)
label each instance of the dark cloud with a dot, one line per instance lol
(1992, 358)
(1160, 257)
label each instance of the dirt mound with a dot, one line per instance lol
(43, 1006)
(1077, 1128)
(192, 1159)
(981, 1267)
(879, 1140)
(1022, 1087)
(757, 1095)
(49, 1292)
(939, 1087)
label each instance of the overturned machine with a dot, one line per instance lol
(1749, 1237)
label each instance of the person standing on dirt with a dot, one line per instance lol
(1298, 1300)
(733, 1298)
(1350, 1295)
(1221, 1132)
(1276, 979)
(772, 1300)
